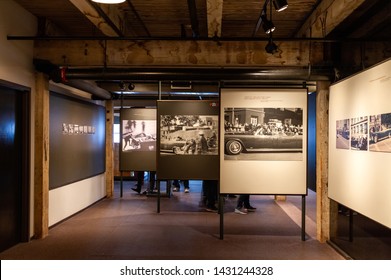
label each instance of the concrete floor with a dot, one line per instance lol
(129, 228)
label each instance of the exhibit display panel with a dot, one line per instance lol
(77, 140)
(138, 139)
(360, 143)
(264, 141)
(188, 140)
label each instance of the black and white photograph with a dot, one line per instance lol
(359, 133)
(264, 141)
(138, 135)
(380, 133)
(188, 135)
(343, 134)
(263, 133)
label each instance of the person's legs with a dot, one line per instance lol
(247, 204)
(176, 185)
(186, 185)
(140, 181)
(240, 203)
(210, 188)
(152, 175)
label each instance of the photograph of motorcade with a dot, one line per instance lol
(188, 134)
(380, 133)
(359, 133)
(250, 133)
(138, 135)
(343, 134)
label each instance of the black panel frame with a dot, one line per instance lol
(194, 167)
(75, 156)
(137, 160)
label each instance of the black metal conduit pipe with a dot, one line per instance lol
(198, 74)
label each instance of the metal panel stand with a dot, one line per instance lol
(158, 196)
(121, 186)
(303, 210)
(221, 211)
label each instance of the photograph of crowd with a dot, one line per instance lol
(359, 133)
(343, 134)
(138, 135)
(263, 130)
(188, 134)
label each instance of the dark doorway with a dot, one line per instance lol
(14, 162)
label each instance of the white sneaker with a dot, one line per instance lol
(239, 211)
(187, 190)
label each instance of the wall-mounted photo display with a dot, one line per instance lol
(358, 177)
(263, 133)
(359, 133)
(138, 139)
(380, 133)
(263, 149)
(188, 134)
(343, 134)
(188, 140)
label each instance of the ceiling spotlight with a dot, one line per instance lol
(109, 1)
(267, 25)
(280, 5)
(131, 86)
(122, 85)
(271, 47)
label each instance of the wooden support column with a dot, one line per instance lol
(280, 197)
(41, 161)
(109, 149)
(326, 210)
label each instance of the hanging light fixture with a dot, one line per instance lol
(109, 1)
(280, 5)
(267, 25)
(271, 47)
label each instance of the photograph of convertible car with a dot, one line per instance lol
(262, 130)
(188, 135)
(138, 135)
(380, 133)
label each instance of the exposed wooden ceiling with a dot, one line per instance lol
(229, 19)
(208, 33)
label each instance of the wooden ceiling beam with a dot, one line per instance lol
(369, 25)
(159, 53)
(327, 16)
(214, 9)
(193, 18)
(107, 18)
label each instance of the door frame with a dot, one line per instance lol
(24, 113)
